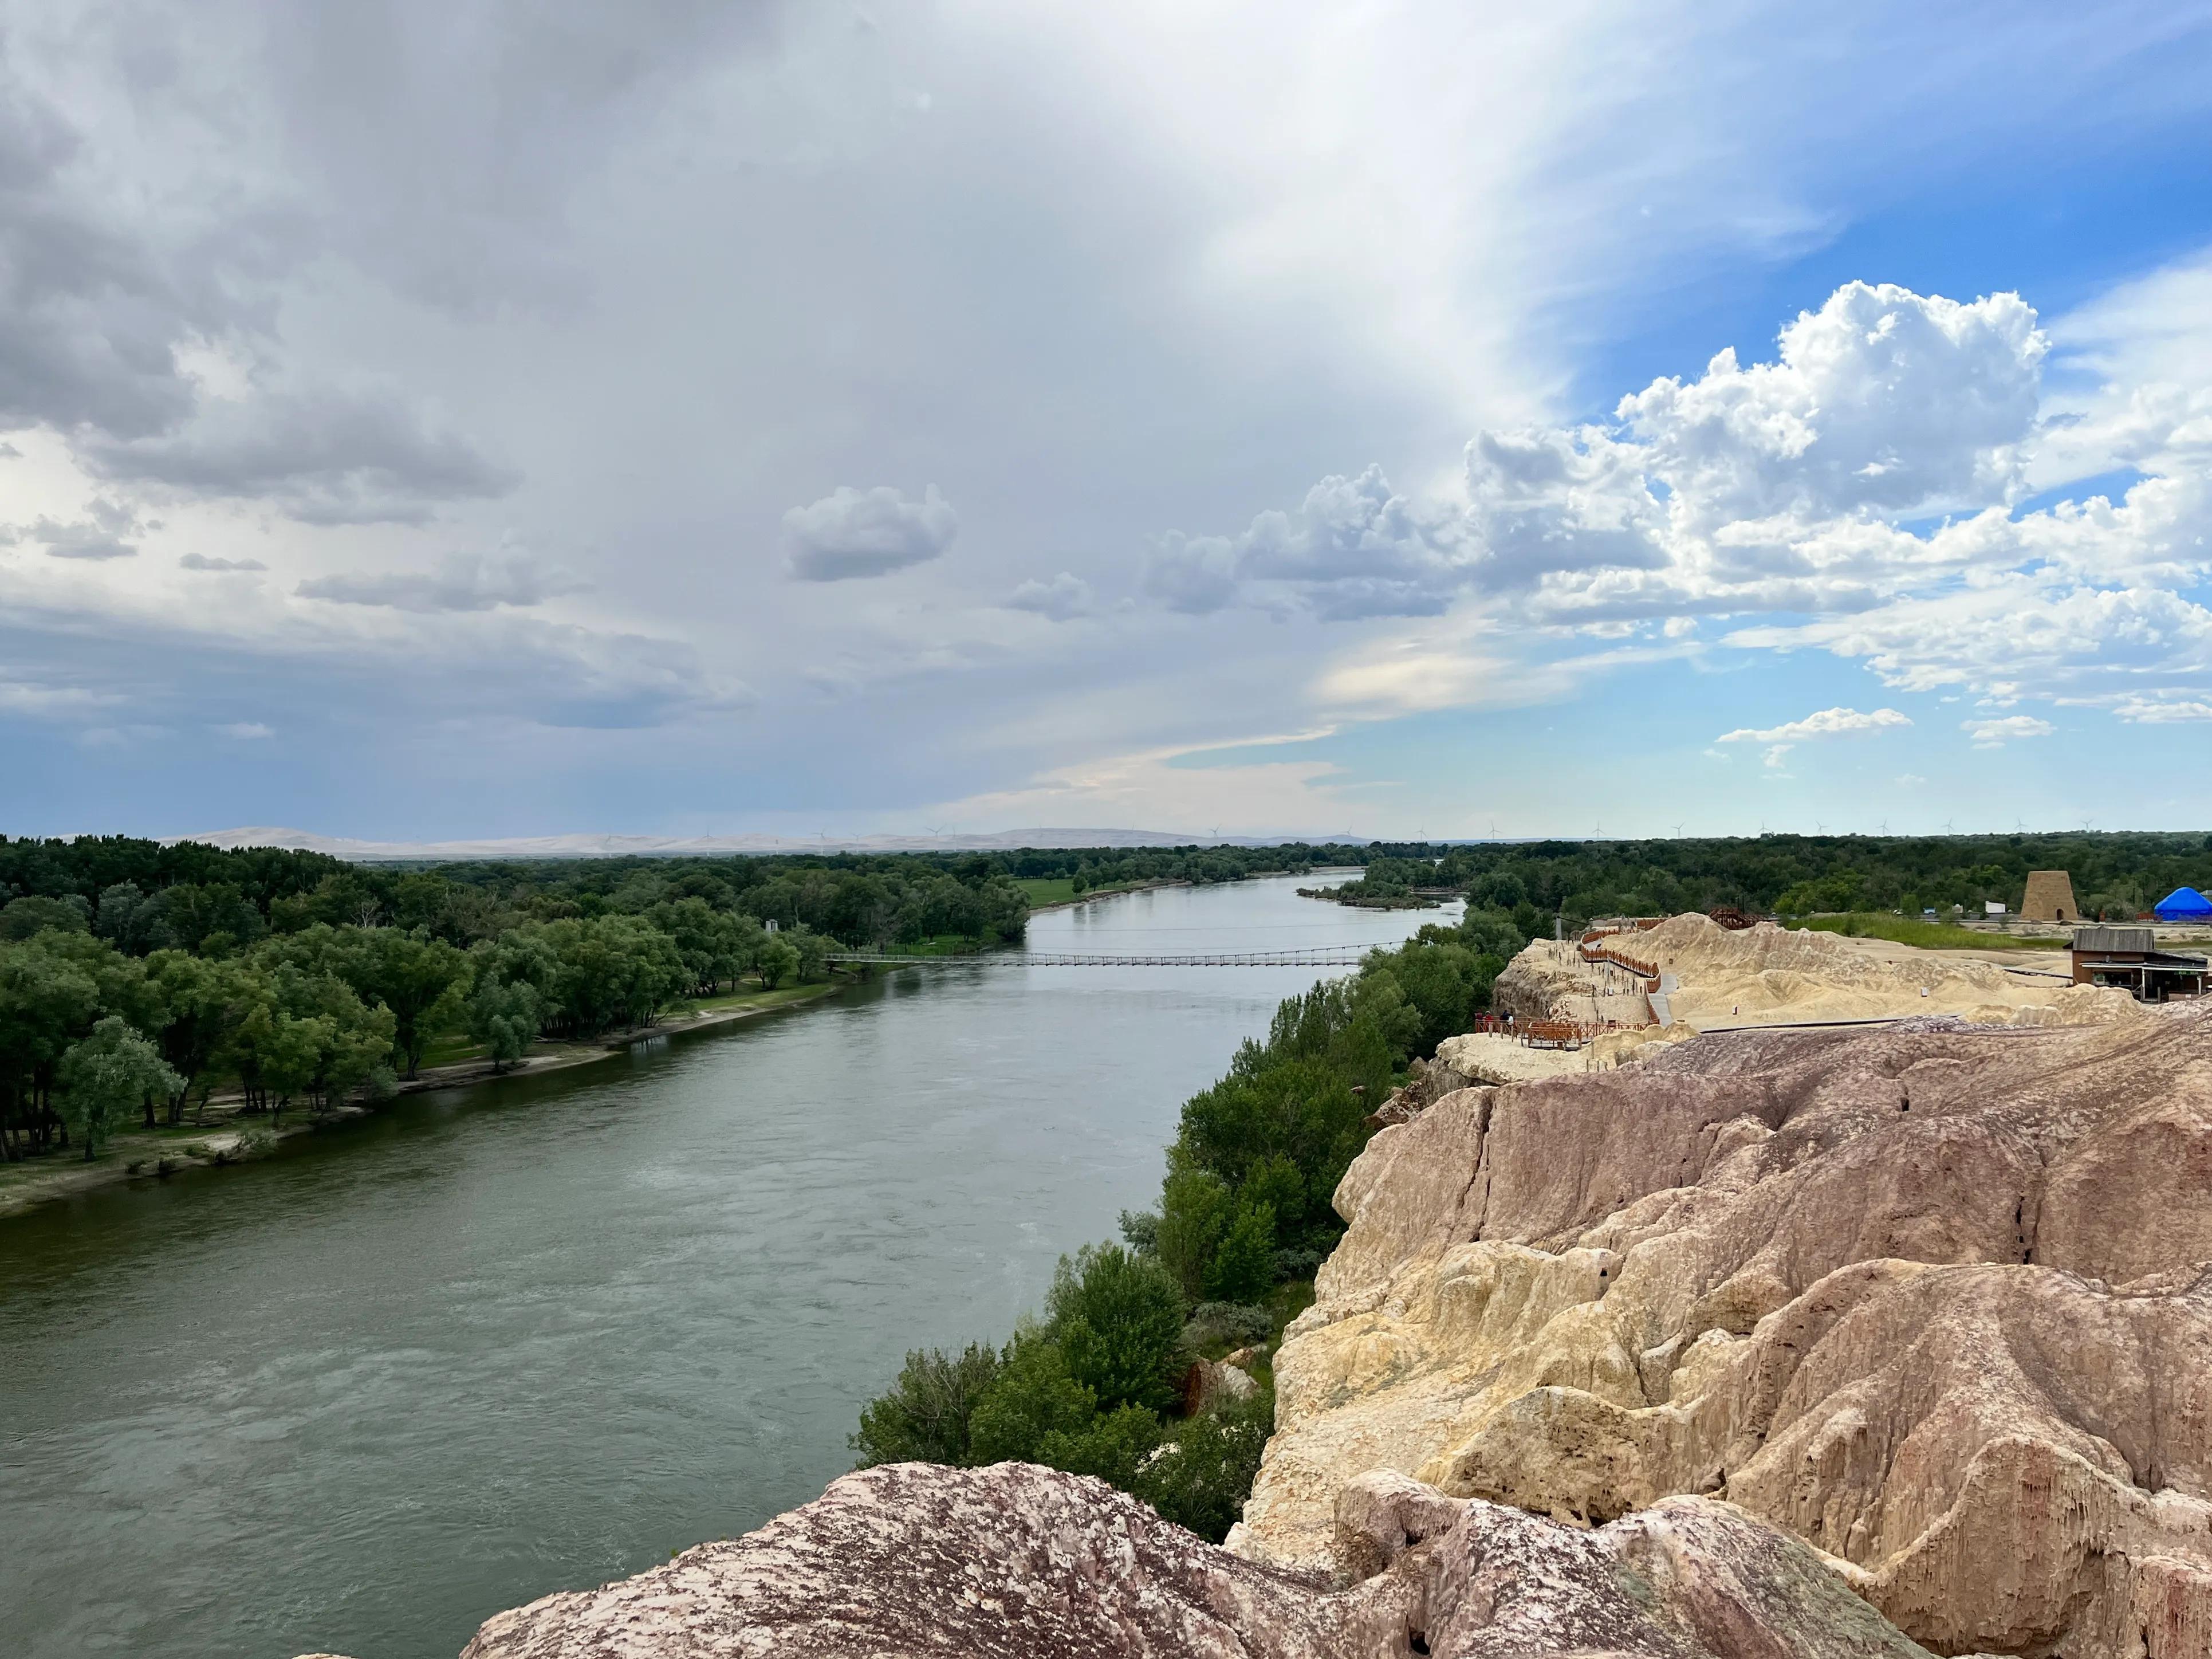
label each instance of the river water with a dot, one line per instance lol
(497, 1342)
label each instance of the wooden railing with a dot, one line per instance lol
(1595, 949)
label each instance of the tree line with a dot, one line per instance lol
(301, 980)
(2114, 873)
(1243, 1221)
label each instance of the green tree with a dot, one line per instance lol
(925, 1416)
(1118, 1318)
(777, 962)
(47, 1002)
(108, 1074)
(813, 953)
(200, 1004)
(421, 980)
(1244, 1266)
(506, 1016)
(1195, 1210)
(25, 917)
(1032, 1397)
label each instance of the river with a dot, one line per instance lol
(495, 1342)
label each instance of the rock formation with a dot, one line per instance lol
(1014, 1561)
(1934, 1297)
(1768, 975)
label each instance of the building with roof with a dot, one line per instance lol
(2184, 904)
(2128, 958)
(2049, 898)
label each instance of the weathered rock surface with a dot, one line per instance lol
(1934, 1297)
(1768, 975)
(1017, 1562)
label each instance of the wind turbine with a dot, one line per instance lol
(1946, 827)
(1678, 832)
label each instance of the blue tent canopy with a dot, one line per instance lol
(2184, 904)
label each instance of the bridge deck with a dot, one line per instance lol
(1345, 956)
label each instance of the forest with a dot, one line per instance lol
(2118, 874)
(137, 979)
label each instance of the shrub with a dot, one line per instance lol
(925, 1416)
(1118, 1317)
(1032, 1397)
(1201, 1478)
(1215, 1327)
(1244, 1266)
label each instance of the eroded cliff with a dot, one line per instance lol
(1934, 1297)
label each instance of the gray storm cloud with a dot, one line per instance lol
(852, 533)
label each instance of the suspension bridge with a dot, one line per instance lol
(1319, 955)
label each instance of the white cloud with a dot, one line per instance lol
(244, 730)
(1829, 722)
(2011, 630)
(204, 562)
(1063, 599)
(852, 533)
(1994, 733)
(1354, 548)
(2156, 711)
(32, 697)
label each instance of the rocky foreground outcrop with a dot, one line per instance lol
(1934, 1297)
(1017, 1562)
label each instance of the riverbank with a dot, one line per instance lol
(1060, 894)
(221, 1135)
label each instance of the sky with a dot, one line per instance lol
(436, 421)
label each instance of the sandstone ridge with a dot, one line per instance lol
(1772, 975)
(1017, 1562)
(1935, 1297)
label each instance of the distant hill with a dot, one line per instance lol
(591, 846)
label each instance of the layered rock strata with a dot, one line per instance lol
(1934, 1297)
(1017, 1562)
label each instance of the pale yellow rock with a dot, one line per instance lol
(1772, 975)
(1938, 1302)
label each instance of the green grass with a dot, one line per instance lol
(1922, 935)
(757, 998)
(1061, 889)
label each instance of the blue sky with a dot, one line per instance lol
(851, 418)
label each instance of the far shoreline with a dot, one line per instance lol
(218, 1140)
(73, 1177)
